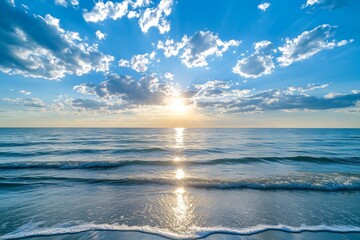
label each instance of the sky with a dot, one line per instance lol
(179, 63)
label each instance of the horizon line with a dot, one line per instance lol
(1, 127)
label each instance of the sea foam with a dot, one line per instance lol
(192, 233)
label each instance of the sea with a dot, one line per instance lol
(179, 183)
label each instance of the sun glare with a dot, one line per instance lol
(180, 190)
(180, 174)
(177, 105)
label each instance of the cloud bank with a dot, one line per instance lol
(304, 46)
(227, 100)
(197, 50)
(139, 63)
(35, 46)
(33, 103)
(308, 44)
(129, 91)
(148, 16)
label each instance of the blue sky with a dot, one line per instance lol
(142, 63)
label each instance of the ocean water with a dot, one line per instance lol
(180, 183)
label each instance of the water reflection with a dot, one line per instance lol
(179, 145)
(179, 137)
(181, 207)
(180, 174)
(178, 210)
(182, 210)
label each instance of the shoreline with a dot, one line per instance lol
(266, 235)
(197, 232)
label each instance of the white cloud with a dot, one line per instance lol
(307, 44)
(331, 95)
(264, 6)
(129, 91)
(215, 93)
(133, 14)
(297, 49)
(92, 104)
(169, 76)
(65, 3)
(65, 104)
(124, 63)
(262, 45)
(326, 4)
(312, 2)
(139, 3)
(156, 17)
(217, 90)
(254, 66)
(203, 45)
(25, 102)
(223, 98)
(25, 92)
(50, 52)
(109, 9)
(138, 62)
(85, 88)
(212, 85)
(100, 35)
(344, 42)
(196, 50)
(114, 10)
(25, 6)
(257, 64)
(172, 48)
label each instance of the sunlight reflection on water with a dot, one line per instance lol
(180, 174)
(182, 214)
(181, 206)
(179, 137)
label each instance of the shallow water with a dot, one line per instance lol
(180, 183)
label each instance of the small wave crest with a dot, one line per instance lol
(315, 182)
(80, 151)
(191, 233)
(115, 164)
(63, 165)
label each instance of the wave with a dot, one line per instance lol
(22, 144)
(94, 151)
(80, 151)
(191, 233)
(13, 184)
(77, 141)
(316, 182)
(115, 164)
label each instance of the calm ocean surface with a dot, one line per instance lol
(180, 183)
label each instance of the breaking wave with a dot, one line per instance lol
(192, 233)
(316, 182)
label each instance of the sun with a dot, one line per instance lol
(177, 104)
